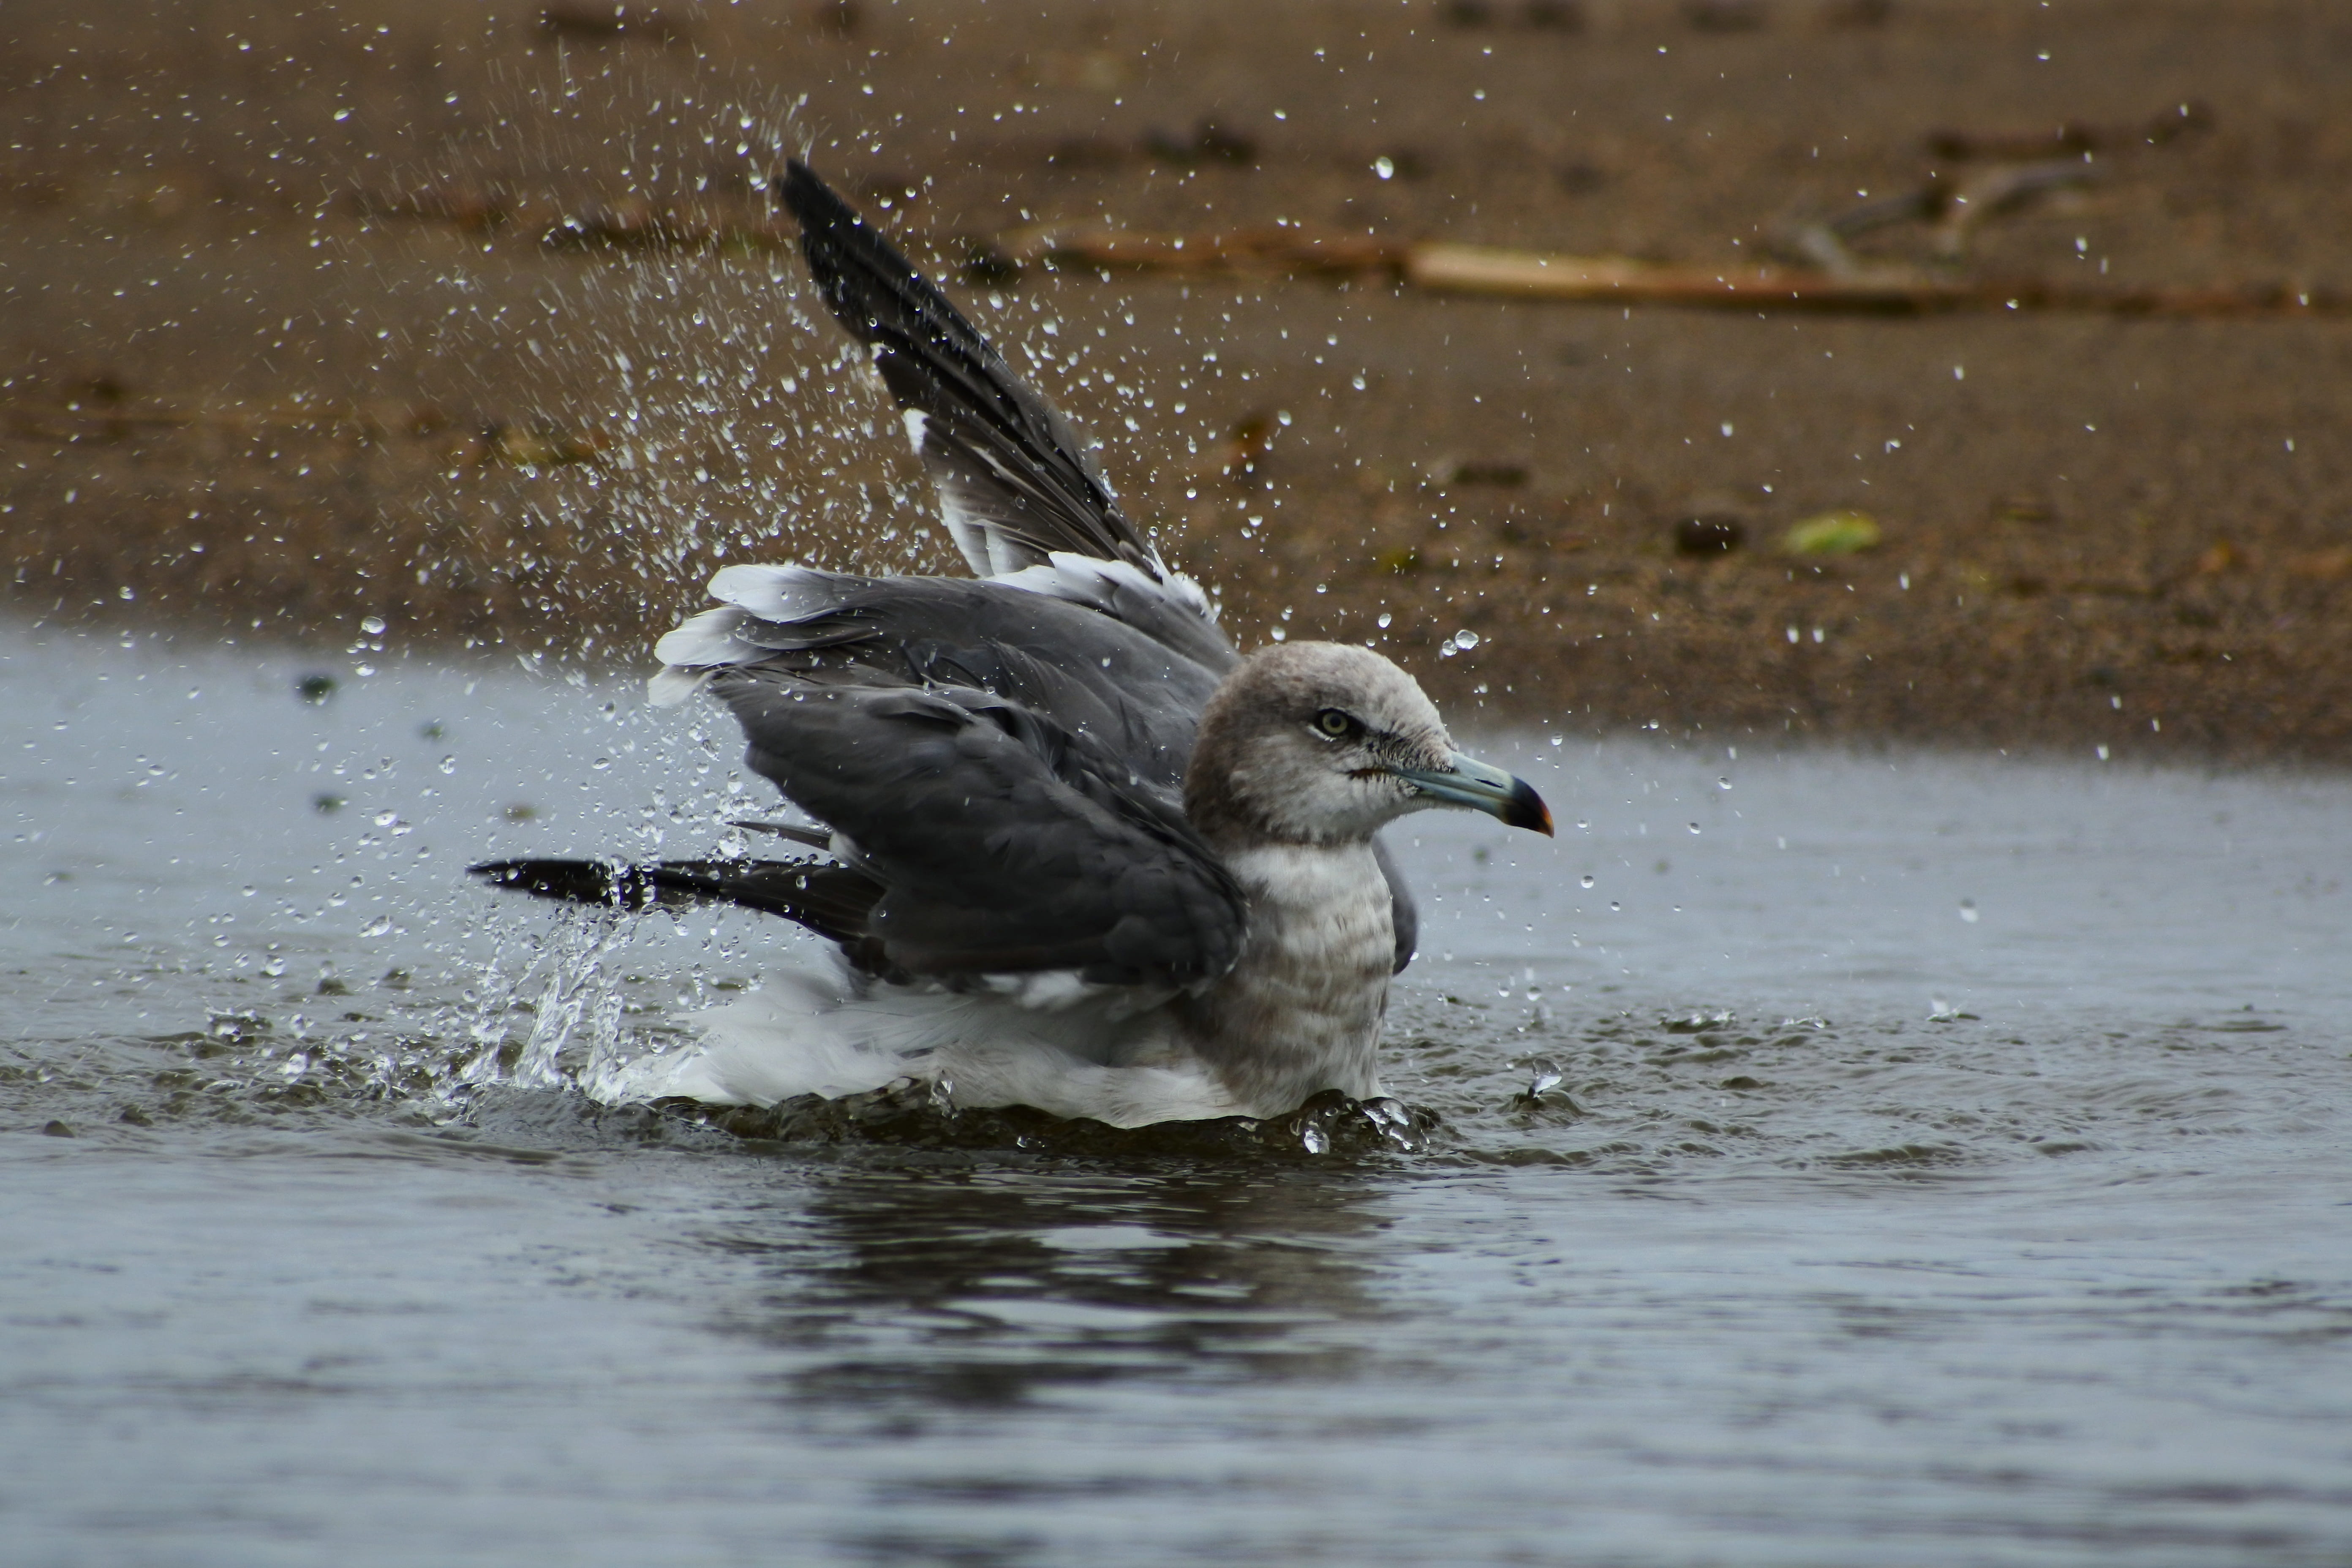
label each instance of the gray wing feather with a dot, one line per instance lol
(1004, 842)
(1086, 670)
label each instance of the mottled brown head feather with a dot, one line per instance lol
(1267, 771)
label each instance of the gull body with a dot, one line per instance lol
(1074, 851)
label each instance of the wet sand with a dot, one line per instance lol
(294, 331)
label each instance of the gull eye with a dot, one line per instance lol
(1336, 724)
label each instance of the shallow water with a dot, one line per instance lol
(1948, 1163)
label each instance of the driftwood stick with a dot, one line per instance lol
(1535, 275)
(1478, 269)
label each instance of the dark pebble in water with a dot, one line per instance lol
(57, 1129)
(1708, 535)
(1503, 476)
(315, 688)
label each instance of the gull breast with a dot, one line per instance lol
(1300, 1013)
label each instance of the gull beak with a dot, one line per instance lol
(1466, 781)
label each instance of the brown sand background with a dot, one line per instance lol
(284, 342)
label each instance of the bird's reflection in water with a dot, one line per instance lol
(894, 1292)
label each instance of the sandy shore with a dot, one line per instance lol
(473, 322)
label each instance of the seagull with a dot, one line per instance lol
(1074, 851)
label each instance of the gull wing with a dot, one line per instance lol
(1003, 842)
(1013, 475)
(1021, 497)
(1089, 669)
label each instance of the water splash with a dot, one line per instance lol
(578, 1009)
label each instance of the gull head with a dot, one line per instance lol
(1314, 743)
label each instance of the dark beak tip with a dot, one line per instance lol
(1528, 811)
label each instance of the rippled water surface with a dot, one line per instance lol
(1940, 1160)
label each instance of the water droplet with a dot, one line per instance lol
(449, 764)
(1466, 640)
(1968, 911)
(1543, 1073)
(1588, 879)
(1311, 1138)
(1384, 167)
(1694, 827)
(373, 626)
(1723, 784)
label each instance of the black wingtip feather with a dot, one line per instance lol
(858, 269)
(998, 451)
(571, 882)
(831, 900)
(812, 202)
